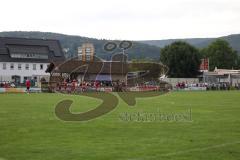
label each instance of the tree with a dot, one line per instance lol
(182, 59)
(221, 55)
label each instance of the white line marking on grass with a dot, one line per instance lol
(199, 149)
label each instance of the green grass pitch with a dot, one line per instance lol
(29, 129)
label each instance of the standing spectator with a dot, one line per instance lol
(74, 85)
(65, 85)
(28, 85)
(84, 86)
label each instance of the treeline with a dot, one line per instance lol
(184, 59)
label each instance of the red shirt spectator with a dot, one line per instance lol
(28, 85)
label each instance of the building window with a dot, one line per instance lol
(80, 57)
(88, 50)
(12, 66)
(19, 66)
(27, 78)
(34, 66)
(27, 66)
(41, 66)
(80, 50)
(88, 57)
(4, 66)
(88, 53)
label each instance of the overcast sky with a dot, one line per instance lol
(123, 19)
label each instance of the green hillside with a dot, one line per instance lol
(138, 50)
(149, 49)
(234, 41)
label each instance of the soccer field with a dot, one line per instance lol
(30, 129)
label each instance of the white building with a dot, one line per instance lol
(20, 71)
(22, 58)
(86, 52)
(228, 76)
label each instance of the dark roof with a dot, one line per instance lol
(96, 67)
(44, 50)
(106, 67)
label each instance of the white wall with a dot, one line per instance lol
(175, 81)
(6, 75)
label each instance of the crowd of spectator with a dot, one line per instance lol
(7, 85)
(208, 86)
(72, 86)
